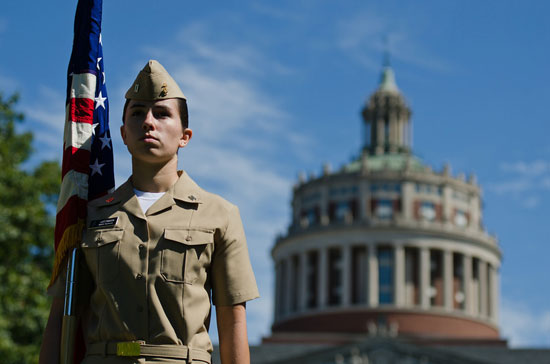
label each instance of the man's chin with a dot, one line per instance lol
(152, 157)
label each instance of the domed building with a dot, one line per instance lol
(386, 261)
(386, 246)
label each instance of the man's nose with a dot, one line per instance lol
(148, 121)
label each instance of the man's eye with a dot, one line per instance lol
(162, 114)
(137, 113)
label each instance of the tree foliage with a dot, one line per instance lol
(26, 239)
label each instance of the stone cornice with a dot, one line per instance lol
(399, 226)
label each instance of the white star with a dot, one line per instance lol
(105, 142)
(100, 100)
(93, 128)
(103, 77)
(96, 167)
(98, 60)
(100, 39)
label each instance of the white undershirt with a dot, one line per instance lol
(146, 199)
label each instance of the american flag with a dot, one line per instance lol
(87, 169)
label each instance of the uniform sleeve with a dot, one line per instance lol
(233, 280)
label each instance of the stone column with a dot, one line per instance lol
(474, 209)
(403, 132)
(373, 275)
(399, 275)
(483, 289)
(346, 275)
(468, 294)
(447, 204)
(410, 134)
(400, 132)
(364, 194)
(324, 206)
(494, 294)
(277, 291)
(322, 275)
(407, 193)
(302, 288)
(297, 208)
(289, 285)
(393, 132)
(380, 135)
(424, 277)
(448, 297)
(406, 133)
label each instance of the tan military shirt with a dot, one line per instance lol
(154, 273)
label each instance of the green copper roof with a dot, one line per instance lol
(387, 81)
(381, 162)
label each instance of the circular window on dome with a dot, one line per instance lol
(427, 210)
(460, 218)
(384, 209)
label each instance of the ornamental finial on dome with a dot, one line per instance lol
(387, 79)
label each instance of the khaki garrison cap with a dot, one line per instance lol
(154, 83)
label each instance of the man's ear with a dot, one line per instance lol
(123, 133)
(185, 137)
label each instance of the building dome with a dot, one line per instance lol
(386, 244)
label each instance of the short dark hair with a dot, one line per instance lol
(184, 113)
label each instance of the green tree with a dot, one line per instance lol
(26, 239)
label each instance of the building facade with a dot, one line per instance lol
(386, 245)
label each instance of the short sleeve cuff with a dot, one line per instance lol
(236, 298)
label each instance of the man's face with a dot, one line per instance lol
(152, 130)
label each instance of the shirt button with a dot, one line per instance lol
(188, 238)
(141, 247)
(99, 241)
(139, 276)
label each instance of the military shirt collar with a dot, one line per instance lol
(185, 189)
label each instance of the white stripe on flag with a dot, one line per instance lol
(83, 86)
(77, 135)
(74, 183)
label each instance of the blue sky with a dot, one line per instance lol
(276, 88)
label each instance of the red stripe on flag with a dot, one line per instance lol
(74, 209)
(81, 110)
(75, 159)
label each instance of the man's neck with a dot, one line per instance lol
(154, 177)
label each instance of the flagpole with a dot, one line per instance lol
(70, 320)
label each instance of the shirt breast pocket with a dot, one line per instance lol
(102, 251)
(185, 254)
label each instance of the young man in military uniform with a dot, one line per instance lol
(158, 249)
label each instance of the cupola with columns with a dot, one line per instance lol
(386, 246)
(386, 117)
